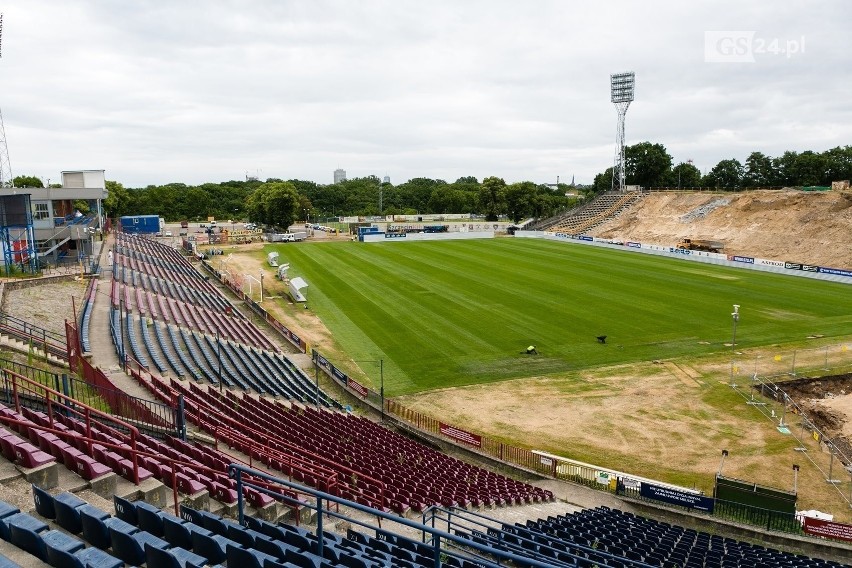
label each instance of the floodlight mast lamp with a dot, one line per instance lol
(622, 87)
(6, 179)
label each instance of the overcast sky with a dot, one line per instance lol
(208, 91)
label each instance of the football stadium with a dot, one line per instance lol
(458, 398)
(647, 367)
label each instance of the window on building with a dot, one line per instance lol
(41, 211)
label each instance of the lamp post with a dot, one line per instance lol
(735, 316)
(795, 477)
(261, 285)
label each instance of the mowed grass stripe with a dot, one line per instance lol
(460, 312)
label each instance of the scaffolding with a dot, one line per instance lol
(17, 236)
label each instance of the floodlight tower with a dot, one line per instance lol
(621, 94)
(5, 167)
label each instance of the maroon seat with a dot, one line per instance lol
(124, 468)
(44, 440)
(152, 465)
(8, 441)
(257, 498)
(30, 456)
(224, 494)
(69, 457)
(187, 485)
(88, 468)
(55, 449)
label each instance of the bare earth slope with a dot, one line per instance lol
(789, 225)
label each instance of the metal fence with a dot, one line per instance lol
(38, 337)
(755, 516)
(154, 417)
(835, 358)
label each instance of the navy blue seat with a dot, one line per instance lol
(6, 509)
(128, 542)
(211, 546)
(269, 529)
(274, 548)
(67, 507)
(191, 515)
(218, 525)
(303, 559)
(24, 532)
(297, 540)
(149, 519)
(125, 510)
(353, 560)
(60, 548)
(178, 532)
(247, 558)
(245, 536)
(85, 558)
(95, 525)
(175, 557)
(22, 521)
(43, 503)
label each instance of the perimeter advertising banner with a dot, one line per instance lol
(828, 529)
(675, 497)
(837, 271)
(357, 387)
(745, 259)
(461, 435)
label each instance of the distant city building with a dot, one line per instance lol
(339, 175)
(386, 179)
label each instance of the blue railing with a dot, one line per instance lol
(443, 544)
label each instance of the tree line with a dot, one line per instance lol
(280, 203)
(650, 165)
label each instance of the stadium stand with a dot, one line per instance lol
(609, 536)
(372, 465)
(590, 215)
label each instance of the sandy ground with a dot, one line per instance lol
(795, 226)
(47, 305)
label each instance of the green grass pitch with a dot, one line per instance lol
(460, 312)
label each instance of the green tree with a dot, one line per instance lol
(839, 163)
(603, 181)
(759, 171)
(448, 199)
(416, 193)
(117, 201)
(646, 164)
(727, 174)
(683, 175)
(82, 206)
(520, 200)
(192, 203)
(275, 204)
(785, 168)
(27, 181)
(492, 198)
(811, 168)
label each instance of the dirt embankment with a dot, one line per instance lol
(827, 403)
(787, 225)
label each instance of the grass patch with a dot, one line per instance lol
(459, 313)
